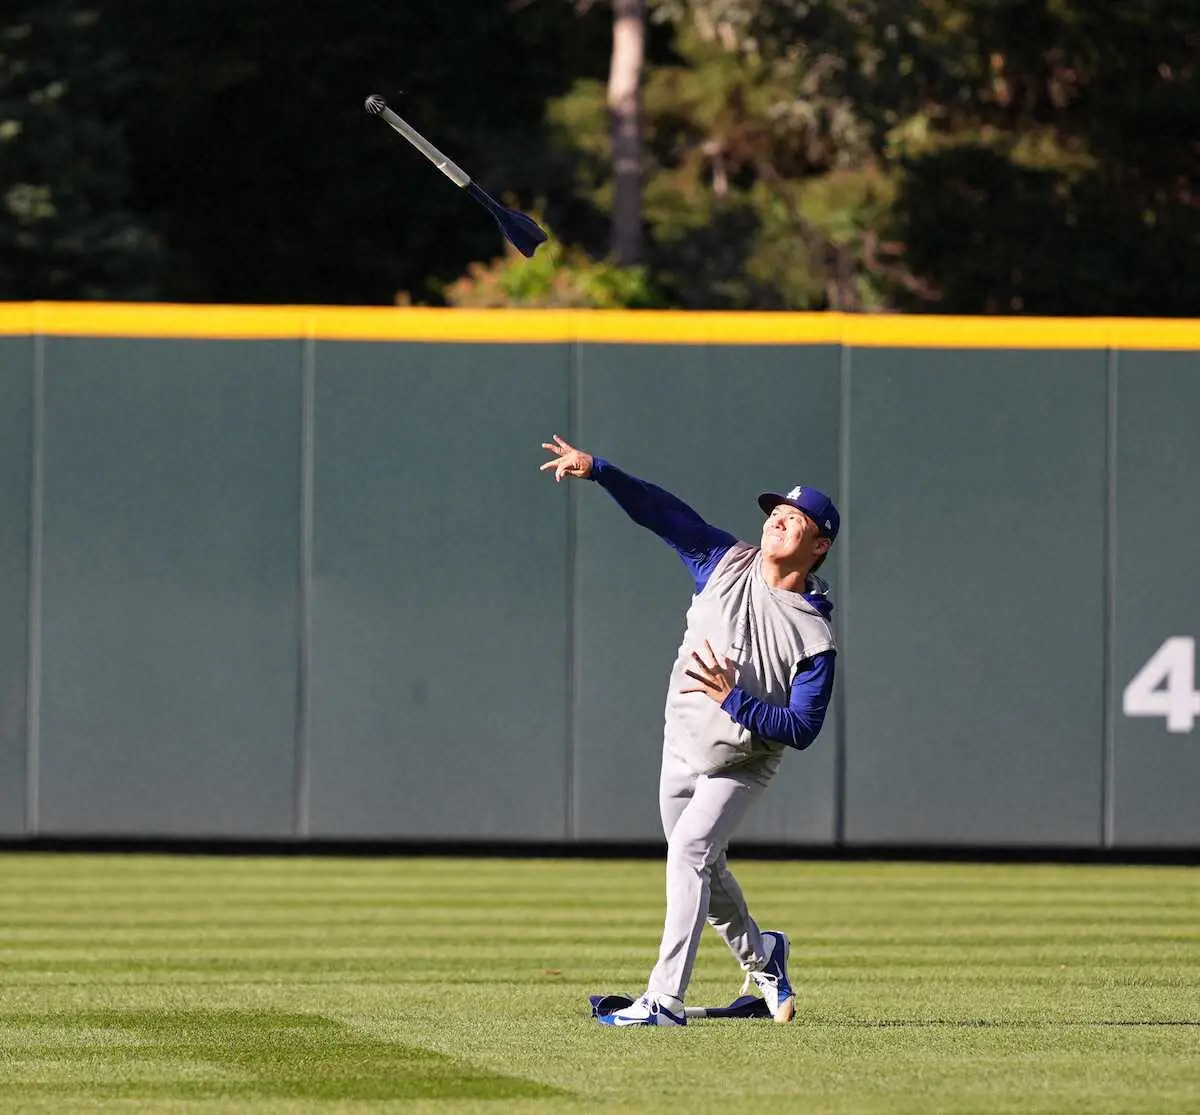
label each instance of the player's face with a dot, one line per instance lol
(791, 536)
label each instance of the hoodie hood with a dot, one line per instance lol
(817, 595)
(815, 598)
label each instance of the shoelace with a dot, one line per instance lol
(757, 979)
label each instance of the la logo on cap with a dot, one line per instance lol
(795, 493)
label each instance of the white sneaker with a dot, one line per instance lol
(647, 1011)
(772, 981)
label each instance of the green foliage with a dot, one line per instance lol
(555, 277)
(1067, 178)
(953, 155)
(67, 225)
(762, 190)
(949, 155)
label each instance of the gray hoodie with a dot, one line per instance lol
(767, 632)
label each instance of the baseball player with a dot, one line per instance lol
(753, 677)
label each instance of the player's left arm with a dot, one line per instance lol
(795, 724)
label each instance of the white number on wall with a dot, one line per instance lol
(1165, 686)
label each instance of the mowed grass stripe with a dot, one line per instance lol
(248, 1055)
(445, 986)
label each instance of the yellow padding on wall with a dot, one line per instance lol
(387, 323)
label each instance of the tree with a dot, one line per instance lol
(68, 228)
(762, 189)
(270, 183)
(624, 105)
(953, 155)
(1068, 182)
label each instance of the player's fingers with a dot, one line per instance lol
(708, 683)
(551, 448)
(548, 464)
(561, 442)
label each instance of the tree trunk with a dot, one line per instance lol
(624, 104)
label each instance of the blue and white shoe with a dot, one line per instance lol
(647, 1011)
(772, 981)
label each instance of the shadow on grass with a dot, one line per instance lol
(243, 1055)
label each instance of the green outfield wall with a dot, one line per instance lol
(293, 572)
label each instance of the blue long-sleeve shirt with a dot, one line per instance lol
(701, 547)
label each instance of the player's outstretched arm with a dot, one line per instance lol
(700, 545)
(567, 460)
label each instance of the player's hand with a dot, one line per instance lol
(717, 676)
(568, 461)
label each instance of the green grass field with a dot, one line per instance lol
(429, 985)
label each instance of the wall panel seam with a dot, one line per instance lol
(841, 704)
(33, 677)
(1109, 610)
(304, 603)
(570, 810)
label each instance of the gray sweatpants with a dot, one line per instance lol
(699, 815)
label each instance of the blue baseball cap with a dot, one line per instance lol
(816, 505)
